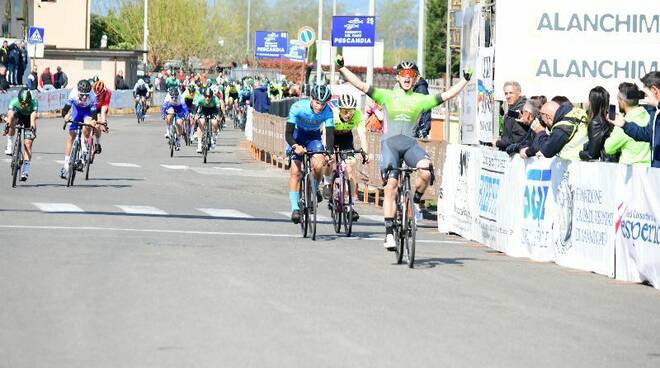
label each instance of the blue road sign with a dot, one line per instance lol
(349, 31)
(296, 52)
(35, 35)
(270, 45)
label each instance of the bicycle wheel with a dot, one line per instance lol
(72, 163)
(302, 203)
(409, 227)
(206, 141)
(172, 139)
(398, 220)
(348, 206)
(336, 204)
(16, 163)
(313, 205)
(90, 157)
(138, 112)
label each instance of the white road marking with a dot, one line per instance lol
(141, 210)
(218, 212)
(175, 167)
(61, 162)
(228, 168)
(318, 217)
(7, 160)
(123, 164)
(57, 207)
(375, 218)
(193, 232)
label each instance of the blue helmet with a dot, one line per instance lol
(321, 93)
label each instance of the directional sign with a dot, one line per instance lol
(35, 35)
(350, 31)
(306, 36)
(296, 51)
(270, 45)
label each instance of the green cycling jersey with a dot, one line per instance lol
(15, 106)
(171, 82)
(402, 109)
(347, 126)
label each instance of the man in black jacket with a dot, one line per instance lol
(424, 120)
(514, 131)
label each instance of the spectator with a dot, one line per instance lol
(162, 85)
(514, 131)
(61, 80)
(33, 79)
(539, 101)
(120, 83)
(375, 118)
(528, 146)
(560, 100)
(424, 119)
(13, 61)
(22, 65)
(599, 127)
(568, 130)
(632, 152)
(46, 81)
(651, 82)
(159, 76)
(260, 99)
(4, 53)
(4, 83)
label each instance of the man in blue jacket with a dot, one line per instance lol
(261, 101)
(649, 133)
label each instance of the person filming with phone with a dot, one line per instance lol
(568, 130)
(599, 128)
(514, 129)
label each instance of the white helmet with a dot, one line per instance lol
(347, 101)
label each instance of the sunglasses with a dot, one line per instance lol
(346, 111)
(407, 73)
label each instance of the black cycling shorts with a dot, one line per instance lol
(344, 141)
(397, 148)
(210, 111)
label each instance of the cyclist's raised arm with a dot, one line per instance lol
(350, 77)
(362, 135)
(454, 90)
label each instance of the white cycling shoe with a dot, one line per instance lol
(389, 244)
(9, 150)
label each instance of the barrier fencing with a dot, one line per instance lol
(593, 216)
(266, 133)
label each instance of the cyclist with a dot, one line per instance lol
(347, 118)
(402, 106)
(103, 96)
(141, 93)
(171, 81)
(190, 99)
(82, 105)
(207, 106)
(174, 104)
(23, 110)
(218, 92)
(303, 133)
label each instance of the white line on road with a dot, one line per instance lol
(194, 232)
(375, 218)
(141, 210)
(318, 217)
(61, 162)
(123, 164)
(218, 212)
(228, 168)
(7, 160)
(57, 207)
(175, 167)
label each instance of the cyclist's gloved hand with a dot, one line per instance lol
(340, 61)
(467, 73)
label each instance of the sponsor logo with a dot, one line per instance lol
(640, 226)
(488, 189)
(536, 193)
(565, 222)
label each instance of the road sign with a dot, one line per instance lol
(270, 45)
(296, 51)
(36, 35)
(306, 36)
(350, 31)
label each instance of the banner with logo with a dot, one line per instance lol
(469, 56)
(485, 95)
(270, 45)
(638, 228)
(353, 31)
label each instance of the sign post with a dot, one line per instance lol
(35, 38)
(270, 45)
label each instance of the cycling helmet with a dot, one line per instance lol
(191, 87)
(173, 92)
(208, 92)
(140, 82)
(95, 79)
(407, 65)
(347, 101)
(84, 87)
(321, 93)
(98, 87)
(24, 97)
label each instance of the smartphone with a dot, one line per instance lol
(611, 112)
(514, 114)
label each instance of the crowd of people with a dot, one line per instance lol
(539, 127)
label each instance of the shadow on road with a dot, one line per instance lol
(434, 262)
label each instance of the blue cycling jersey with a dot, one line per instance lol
(305, 119)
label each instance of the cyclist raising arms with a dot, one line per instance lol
(23, 110)
(303, 133)
(347, 118)
(402, 107)
(82, 104)
(173, 104)
(207, 106)
(103, 96)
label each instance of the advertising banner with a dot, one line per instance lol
(469, 56)
(270, 45)
(353, 31)
(485, 95)
(566, 47)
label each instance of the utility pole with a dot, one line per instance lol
(370, 53)
(145, 36)
(420, 36)
(334, 49)
(247, 36)
(319, 70)
(446, 130)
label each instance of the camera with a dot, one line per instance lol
(514, 114)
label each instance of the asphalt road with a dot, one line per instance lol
(168, 262)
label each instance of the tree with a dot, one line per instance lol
(435, 59)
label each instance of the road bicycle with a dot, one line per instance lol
(308, 200)
(17, 152)
(341, 201)
(405, 224)
(140, 110)
(79, 160)
(207, 136)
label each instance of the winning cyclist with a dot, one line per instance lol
(207, 106)
(303, 133)
(346, 119)
(23, 110)
(103, 96)
(402, 106)
(82, 104)
(173, 104)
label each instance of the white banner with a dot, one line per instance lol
(484, 76)
(122, 99)
(566, 47)
(638, 228)
(469, 54)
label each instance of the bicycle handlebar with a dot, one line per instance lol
(413, 169)
(80, 124)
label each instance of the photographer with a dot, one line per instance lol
(528, 115)
(514, 130)
(632, 152)
(568, 130)
(651, 82)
